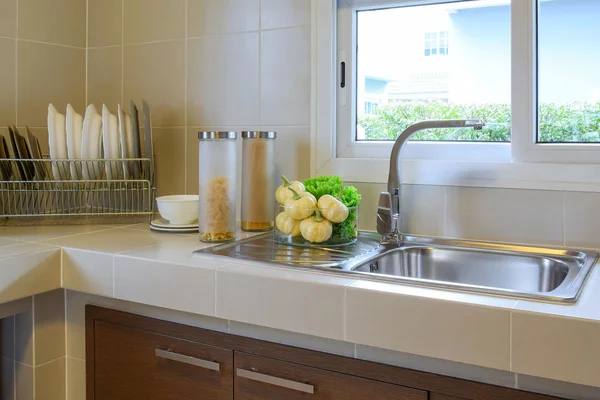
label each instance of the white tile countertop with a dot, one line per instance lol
(131, 263)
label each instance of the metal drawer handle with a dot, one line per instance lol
(169, 355)
(285, 383)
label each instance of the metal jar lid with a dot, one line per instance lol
(258, 135)
(216, 135)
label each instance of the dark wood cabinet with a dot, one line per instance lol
(261, 378)
(134, 364)
(135, 357)
(435, 396)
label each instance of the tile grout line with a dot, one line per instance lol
(33, 340)
(14, 356)
(17, 65)
(66, 333)
(123, 51)
(259, 62)
(87, 48)
(215, 282)
(185, 101)
(51, 361)
(564, 219)
(68, 46)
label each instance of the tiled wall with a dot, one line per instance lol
(33, 349)
(42, 60)
(205, 65)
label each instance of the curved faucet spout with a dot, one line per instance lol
(388, 214)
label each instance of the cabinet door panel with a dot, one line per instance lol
(260, 378)
(135, 364)
(435, 396)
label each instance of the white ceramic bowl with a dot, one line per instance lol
(180, 209)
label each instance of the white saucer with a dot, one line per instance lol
(171, 230)
(164, 224)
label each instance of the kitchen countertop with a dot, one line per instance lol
(131, 263)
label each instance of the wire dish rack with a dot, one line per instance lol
(76, 188)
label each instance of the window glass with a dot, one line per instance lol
(441, 61)
(568, 72)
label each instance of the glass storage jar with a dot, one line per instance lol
(217, 186)
(258, 180)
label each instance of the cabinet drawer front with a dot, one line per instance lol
(135, 364)
(260, 378)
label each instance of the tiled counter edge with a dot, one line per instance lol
(356, 318)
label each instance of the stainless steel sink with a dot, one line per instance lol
(555, 275)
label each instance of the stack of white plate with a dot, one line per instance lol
(162, 225)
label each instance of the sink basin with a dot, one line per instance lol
(516, 271)
(555, 275)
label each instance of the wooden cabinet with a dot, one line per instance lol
(134, 364)
(134, 357)
(260, 378)
(435, 396)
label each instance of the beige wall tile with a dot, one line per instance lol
(49, 326)
(57, 21)
(7, 338)
(191, 160)
(105, 77)
(285, 77)
(284, 13)
(169, 151)
(8, 18)
(156, 73)
(153, 20)
(24, 338)
(582, 219)
(75, 379)
(292, 156)
(7, 379)
(223, 80)
(510, 215)
(209, 17)
(105, 23)
(8, 77)
(367, 213)
(23, 382)
(50, 380)
(75, 307)
(423, 210)
(49, 74)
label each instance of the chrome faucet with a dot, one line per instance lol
(388, 210)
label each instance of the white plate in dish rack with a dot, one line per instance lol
(112, 146)
(57, 141)
(74, 136)
(126, 136)
(91, 143)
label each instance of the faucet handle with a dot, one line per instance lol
(384, 214)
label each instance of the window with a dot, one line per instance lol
(568, 78)
(436, 43)
(524, 67)
(473, 82)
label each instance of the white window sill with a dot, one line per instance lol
(539, 176)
